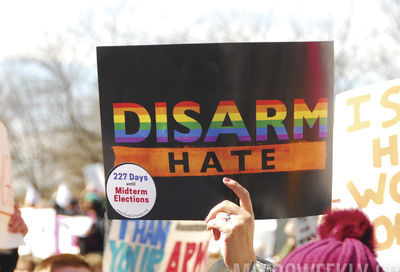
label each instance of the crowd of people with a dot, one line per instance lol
(91, 245)
(345, 241)
(65, 262)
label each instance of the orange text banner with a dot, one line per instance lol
(207, 161)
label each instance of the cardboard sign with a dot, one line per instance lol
(147, 246)
(7, 240)
(366, 160)
(176, 119)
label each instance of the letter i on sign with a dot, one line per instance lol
(161, 122)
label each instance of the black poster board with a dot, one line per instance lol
(176, 119)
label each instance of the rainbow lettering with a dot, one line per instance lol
(302, 111)
(276, 120)
(216, 127)
(193, 126)
(119, 110)
(268, 113)
(161, 122)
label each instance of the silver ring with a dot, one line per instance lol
(227, 217)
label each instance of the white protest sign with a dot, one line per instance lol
(63, 196)
(32, 196)
(40, 241)
(60, 232)
(94, 177)
(7, 240)
(366, 171)
(264, 237)
(149, 245)
(68, 229)
(305, 229)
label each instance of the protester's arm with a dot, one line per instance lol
(236, 230)
(16, 223)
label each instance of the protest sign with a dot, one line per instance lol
(94, 177)
(176, 119)
(305, 229)
(32, 196)
(149, 245)
(68, 229)
(7, 240)
(60, 232)
(265, 237)
(366, 161)
(63, 195)
(40, 241)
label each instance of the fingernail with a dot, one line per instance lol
(227, 179)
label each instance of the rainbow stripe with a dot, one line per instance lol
(119, 110)
(276, 121)
(194, 127)
(216, 127)
(161, 122)
(301, 111)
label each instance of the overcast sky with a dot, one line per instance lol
(27, 24)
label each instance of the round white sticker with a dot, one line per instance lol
(131, 190)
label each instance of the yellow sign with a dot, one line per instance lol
(366, 171)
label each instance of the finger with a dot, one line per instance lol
(18, 226)
(241, 192)
(217, 224)
(15, 216)
(13, 220)
(23, 228)
(216, 231)
(13, 227)
(17, 230)
(223, 216)
(225, 206)
(216, 234)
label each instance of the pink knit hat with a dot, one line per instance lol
(346, 243)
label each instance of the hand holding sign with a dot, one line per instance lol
(16, 223)
(235, 225)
